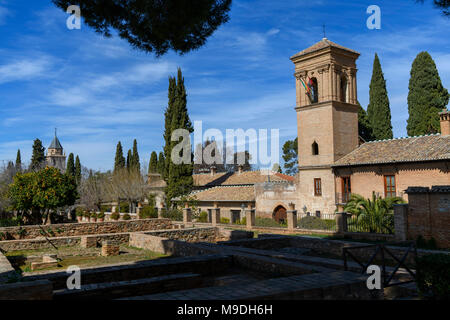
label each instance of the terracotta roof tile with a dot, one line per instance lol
(245, 178)
(413, 149)
(226, 193)
(322, 44)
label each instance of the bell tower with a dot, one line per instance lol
(327, 118)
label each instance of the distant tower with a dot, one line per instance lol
(55, 156)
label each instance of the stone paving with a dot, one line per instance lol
(337, 284)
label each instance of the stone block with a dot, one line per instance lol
(88, 242)
(110, 248)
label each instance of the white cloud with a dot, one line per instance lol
(25, 69)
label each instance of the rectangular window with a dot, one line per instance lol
(346, 189)
(317, 187)
(389, 187)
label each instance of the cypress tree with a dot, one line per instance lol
(38, 156)
(153, 164)
(364, 128)
(70, 168)
(129, 159)
(179, 180)
(161, 163)
(18, 162)
(378, 111)
(168, 115)
(119, 161)
(77, 170)
(426, 98)
(135, 161)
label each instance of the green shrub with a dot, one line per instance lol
(13, 222)
(115, 216)
(148, 212)
(268, 222)
(101, 215)
(86, 214)
(105, 208)
(426, 244)
(124, 207)
(203, 217)
(433, 276)
(126, 216)
(224, 220)
(173, 214)
(79, 212)
(315, 223)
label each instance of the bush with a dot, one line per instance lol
(148, 212)
(203, 217)
(13, 222)
(268, 222)
(79, 212)
(124, 207)
(315, 223)
(105, 208)
(424, 244)
(173, 214)
(101, 215)
(126, 217)
(431, 278)
(224, 220)
(115, 216)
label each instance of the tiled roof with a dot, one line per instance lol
(245, 178)
(226, 193)
(413, 149)
(434, 189)
(322, 44)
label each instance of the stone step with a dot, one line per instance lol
(120, 289)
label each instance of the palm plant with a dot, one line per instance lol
(372, 215)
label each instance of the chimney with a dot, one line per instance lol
(240, 168)
(213, 170)
(445, 122)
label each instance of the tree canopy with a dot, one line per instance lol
(290, 156)
(426, 97)
(378, 110)
(38, 156)
(155, 26)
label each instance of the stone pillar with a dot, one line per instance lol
(341, 222)
(215, 216)
(160, 213)
(250, 217)
(401, 221)
(187, 214)
(291, 217)
(110, 248)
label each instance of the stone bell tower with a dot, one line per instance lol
(55, 156)
(327, 119)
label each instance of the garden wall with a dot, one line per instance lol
(78, 229)
(6, 270)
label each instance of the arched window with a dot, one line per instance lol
(344, 88)
(315, 149)
(280, 214)
(314, 90)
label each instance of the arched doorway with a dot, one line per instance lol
(279, 214)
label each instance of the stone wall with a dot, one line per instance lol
(78, 229)
(33, 244)
(271, 195)
(207, 234)
(6, 269)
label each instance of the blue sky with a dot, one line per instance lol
(98, 91)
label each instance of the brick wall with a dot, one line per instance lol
(428, 215)
(78, 229)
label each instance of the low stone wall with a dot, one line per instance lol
(208, 234)
(78, 229)
(34, 244)
(6, 269)
(33, 290)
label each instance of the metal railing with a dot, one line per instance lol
(381, 249)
